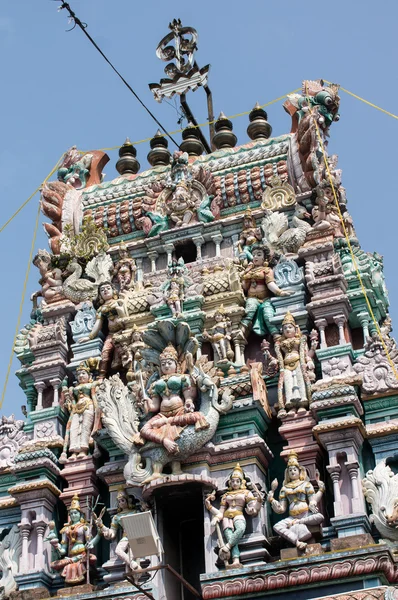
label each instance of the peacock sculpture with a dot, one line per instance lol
(282, 238)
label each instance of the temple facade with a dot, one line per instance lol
(208, 354)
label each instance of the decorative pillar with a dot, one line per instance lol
(152, 257)
(334, 472)
(40, 387)
(340, 322)
(358, 504)
(217, 239)
(40, 527)
(25, 529)
(363, 318)
(198, 240)
(321, 325)
(55, 384)
(169, 248)
(140, 275)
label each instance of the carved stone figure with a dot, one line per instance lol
(258, 284)
(77, 288)
(75, 168)
(220, 336)
(374, 366)
(282, 237)
(231, 513)
(51, 203)
(325, 213)
(125, 269)
(76, 536)
(183, 394)
(12, 437)
(107, 313)
(298, 496)
(51, 278)
(84, 321)
(278, 194)
(380, 487)
(10, 551)
(251, 234)
(83, 415)
(296, 367)
(126, 505)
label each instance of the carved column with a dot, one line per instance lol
(217, 239)
(25, 529)
(40, 387)
(340, 322)
(363, 318)
(334, 472)
(55, 384)
(169, 248)
(198, 240)
(152, 257)
(140, 274)
(321, 325)
(357, 497)
(40, 527)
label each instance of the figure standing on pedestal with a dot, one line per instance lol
(84, 417)
(125, 269)
(237, 499)
(107, 312)
(258, 284)
(126, 505)
(298, 495)
(296, 366)
(251, 234)
(76, 536)
(220, 336)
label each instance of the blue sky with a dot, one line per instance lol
(57, 91)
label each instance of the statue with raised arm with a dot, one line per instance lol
(220, 336)
(126, 505)
(107, 313)
(51, 278)
(234, 503)
(298, 496)
(258, 284)
(84, 416)
(296, 366)
(125, 269)
(75, 540)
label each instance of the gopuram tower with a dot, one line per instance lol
(211, 385)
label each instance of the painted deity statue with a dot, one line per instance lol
(296, 366)
(231, 513)
(125, 269)
(84, 415)
(126, 505)
(298, 496)
(75, 541)
(106, 313)
(172, 399)
(251, 234)
(174, 296)
(51, 278)
(258, 284)
(220, 336)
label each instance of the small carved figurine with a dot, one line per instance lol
(107, 312)
(296, 367)
(125, 269)
(258, 284)
(75, 541)
(83, 415)
(220, 336)
(237, 499)
(251, 234)
(298, 495)
(51, 278)
(126, 505)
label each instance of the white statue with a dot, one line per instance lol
(380, 487)
(10, 550)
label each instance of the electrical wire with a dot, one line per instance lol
(83, 27)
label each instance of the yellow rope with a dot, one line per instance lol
(205, 124)
(21, 305)
(354, 260)
(390, 114)
(31, 196)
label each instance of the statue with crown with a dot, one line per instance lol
(298, 496)
(173, 411)
(76, 540)
(296, 367)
